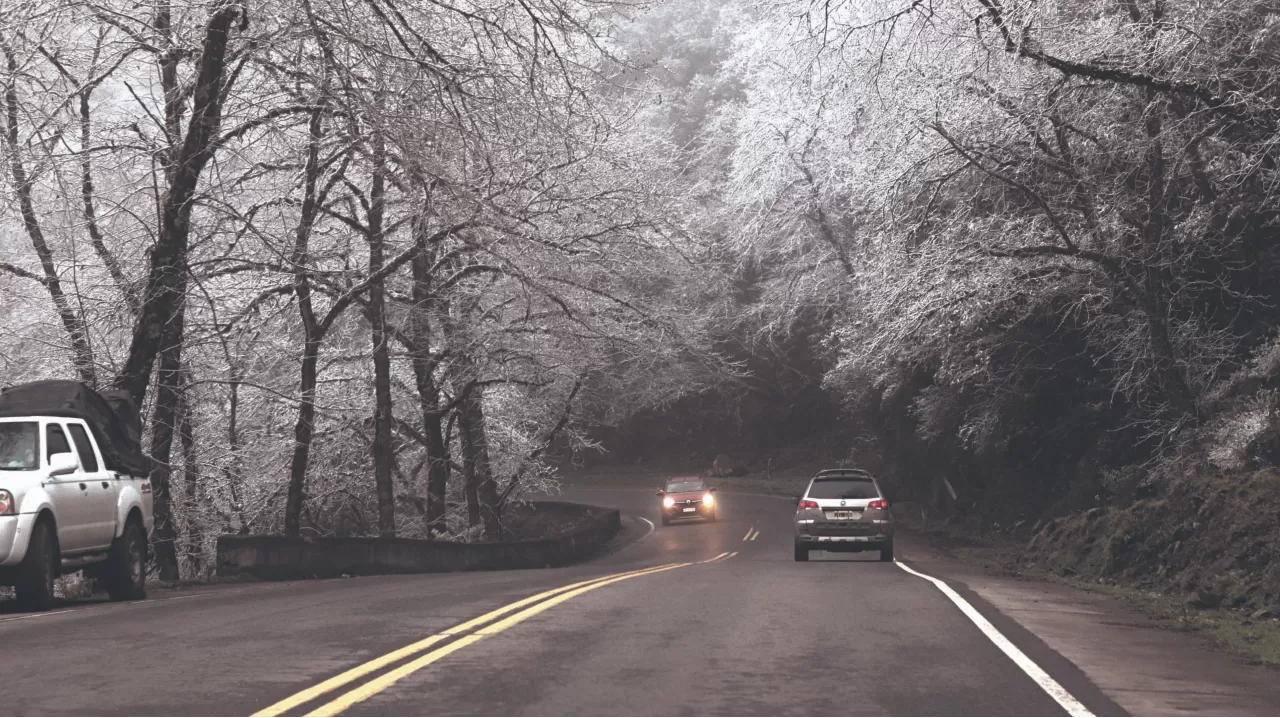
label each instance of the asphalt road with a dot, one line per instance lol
(723, 622)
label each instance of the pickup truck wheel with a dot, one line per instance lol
(34, 582)
(126, 569)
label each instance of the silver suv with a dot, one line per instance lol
(843, 510)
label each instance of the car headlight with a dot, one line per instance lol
(7, 505)
(668, 502)
(708, 499)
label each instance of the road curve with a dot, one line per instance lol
(711, 618)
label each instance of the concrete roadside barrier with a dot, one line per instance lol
(285, 558)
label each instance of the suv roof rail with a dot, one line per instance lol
(844, 472)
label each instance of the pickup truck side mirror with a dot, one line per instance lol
(62, 464)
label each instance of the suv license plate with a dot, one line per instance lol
(846, 515)
(689, 510)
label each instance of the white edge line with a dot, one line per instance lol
(651, 528)
(1053, 688)
(7, 619)
(102, 604)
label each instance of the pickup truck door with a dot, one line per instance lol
(104, 487)
(69, 493)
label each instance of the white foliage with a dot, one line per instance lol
(1235, 434)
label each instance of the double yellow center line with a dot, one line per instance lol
(476, 629)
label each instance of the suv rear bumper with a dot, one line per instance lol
(844, 543)
(843, 539)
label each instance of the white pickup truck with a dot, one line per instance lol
(62, 510)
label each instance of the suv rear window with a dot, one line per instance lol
(843, 489)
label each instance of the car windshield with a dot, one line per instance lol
(19, 446)
(677, 487)
(843, 489)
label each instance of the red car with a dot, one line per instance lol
(687, 497)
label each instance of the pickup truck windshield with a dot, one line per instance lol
(19, 446)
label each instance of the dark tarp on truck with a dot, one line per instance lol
(112, 416)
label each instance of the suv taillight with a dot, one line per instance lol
(808, 505)
(878, 504)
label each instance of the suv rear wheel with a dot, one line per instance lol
(802, 553)
(126, 569)
(34, 582)
(886, 551)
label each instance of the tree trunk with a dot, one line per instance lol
(192, 488)
(382, 416)
(481, 490)
(166, 278)
(1171, 378)
(312, 334)
(437, 468)
(470, 457)
(73, 323)
(424, 368)
(303, 430)
(233, 470)
(163, 421)
(315, 330)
